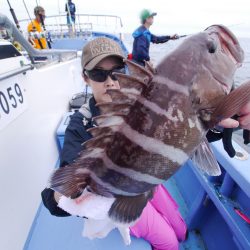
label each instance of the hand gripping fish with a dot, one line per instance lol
(156, 122)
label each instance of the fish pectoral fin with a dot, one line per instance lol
(231, 104)
(69, 181)
(128, 81)
(204, 159)
(127, 209)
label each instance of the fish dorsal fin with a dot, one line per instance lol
(231, 104)
(139, 71)
(149, 67)
(100, 141)
(127, 209)
(112, 108)
(120, 97)
(128, 81)
(205, 160)
(96, 131)
(109, 120)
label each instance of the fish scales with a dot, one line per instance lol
(136, 158)
(156, 121)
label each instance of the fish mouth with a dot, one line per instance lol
(229, 43)
(226, 87)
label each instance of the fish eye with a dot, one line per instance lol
(211, 45)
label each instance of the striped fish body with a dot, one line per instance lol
(156, 121)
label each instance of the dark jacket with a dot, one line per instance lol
(142, 39)
(72, 9)
(75, 135)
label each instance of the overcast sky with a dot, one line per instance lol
(175, 16)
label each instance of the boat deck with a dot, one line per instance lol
(55, 233)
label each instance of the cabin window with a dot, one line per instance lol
(7, 51)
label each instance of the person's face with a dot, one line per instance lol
(42, 14)
(99, 88)
(150, 20)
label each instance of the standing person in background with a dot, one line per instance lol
(143, 37)
(37, 35)
(70, 8)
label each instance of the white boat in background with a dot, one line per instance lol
(34, 97)
(86, 27)
(84, 24)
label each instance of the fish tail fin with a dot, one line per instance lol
(127, 209)
(70, 181)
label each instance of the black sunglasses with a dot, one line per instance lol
(101, 75)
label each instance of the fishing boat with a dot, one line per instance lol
(34, 113)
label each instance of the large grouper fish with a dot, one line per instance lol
(156, 122)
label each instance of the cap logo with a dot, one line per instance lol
(98, 48)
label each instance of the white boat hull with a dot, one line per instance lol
(28, 146)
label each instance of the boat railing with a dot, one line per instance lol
(52, 54)
(57, 25)
(15, 72)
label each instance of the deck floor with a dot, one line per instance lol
(194, 240)
(53, 233)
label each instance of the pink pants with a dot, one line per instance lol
(161, 223)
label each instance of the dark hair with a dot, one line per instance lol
(38, 9)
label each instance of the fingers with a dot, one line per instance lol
(244, 118)
(245, 110)
(229, 123)
(245, 121)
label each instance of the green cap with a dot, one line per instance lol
(146, 13)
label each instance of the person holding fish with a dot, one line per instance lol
(143, 37)
(161, 224)
(157, 120)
